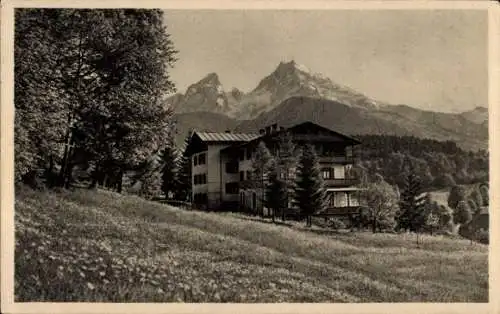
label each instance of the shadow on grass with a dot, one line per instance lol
(295, 226)
(261, 220)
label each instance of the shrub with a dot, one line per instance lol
(336, 223)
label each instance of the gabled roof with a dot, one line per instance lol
(226, 137)
(315, 125)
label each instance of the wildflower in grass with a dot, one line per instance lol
(90, 286)
(102, 273)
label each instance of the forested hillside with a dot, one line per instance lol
(438, 164)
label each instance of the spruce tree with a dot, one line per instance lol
(182, 190)
(310, 194)
(484, 190)
(412, 213)
(286, 163)
(462, 213)
(457, 194)
(169, 171)
(276, 192)
(260, 168)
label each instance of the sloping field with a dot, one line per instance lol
(101, 246)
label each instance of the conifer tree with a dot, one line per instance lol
(286, 163)
(260, 168)
(276, 192)
(457, 194)
(168, 158)
(412, 213)
(462, 213)
(182, 190)
(485, 194)
(310, 194)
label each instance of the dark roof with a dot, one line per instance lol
(277, 133)
(226, 137)
(309, 123)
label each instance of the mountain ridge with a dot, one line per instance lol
(292, 94)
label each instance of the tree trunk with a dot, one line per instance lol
(374, 226)
(119, 184)
(68, 177)
(96, 174)
(49, 171)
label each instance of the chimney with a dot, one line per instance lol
(262, 131)
(228, 131)
(268, 130)
(274, 127)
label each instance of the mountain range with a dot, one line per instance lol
(292, 94)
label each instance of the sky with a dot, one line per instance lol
(429, 59)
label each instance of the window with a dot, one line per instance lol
(201, 159)
(242, 154)
(326, 173)
(249, 153)
(249, 175)
(352, 199)
(242, 175)
(232, 188)
(339, 172)
(340, 199)
(200, 179)
(195, 160)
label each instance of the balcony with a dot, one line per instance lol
(341, 182)
(332, 211)
(335, 159)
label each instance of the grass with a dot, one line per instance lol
(105, 247)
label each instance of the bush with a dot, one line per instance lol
(336, 224)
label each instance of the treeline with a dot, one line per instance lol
(438, 164)
(90, 90)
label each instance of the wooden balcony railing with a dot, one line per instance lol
(341, 182)
(332, 211)
(336, 159)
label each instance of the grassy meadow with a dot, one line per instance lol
(104, 247)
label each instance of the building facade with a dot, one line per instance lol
(222, 166)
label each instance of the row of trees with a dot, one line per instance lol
(438, 164)
(385, 206)
(90, 88)
(292, 176)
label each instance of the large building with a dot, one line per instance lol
(222, 165)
